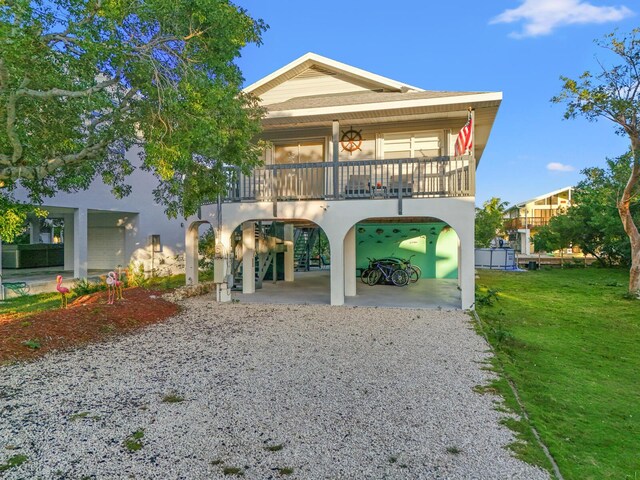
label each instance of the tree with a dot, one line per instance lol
(84, 81)
(614, 94)
(558, 234)
(489, 221)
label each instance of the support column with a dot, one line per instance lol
(337, 270)
(350, 263)
(466, 267)
(80, 243)
(289, 253)
(34, 230)
(336, 157)
(191, 254)
(248, 260)
(68, 241)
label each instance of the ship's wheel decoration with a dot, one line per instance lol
(351, 140)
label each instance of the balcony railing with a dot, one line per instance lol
(361, 179)
(529, 222)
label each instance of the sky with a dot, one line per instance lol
(518, 47)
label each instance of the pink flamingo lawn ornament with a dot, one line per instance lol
(111, 287)
(64, 291)
(119, 286)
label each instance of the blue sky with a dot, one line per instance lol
(519, 47)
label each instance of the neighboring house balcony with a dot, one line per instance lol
(424, 177)
(525, 222)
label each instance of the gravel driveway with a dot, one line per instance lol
(324, 392)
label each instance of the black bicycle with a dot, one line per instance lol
(387, 272)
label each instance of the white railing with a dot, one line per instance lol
(396, 178)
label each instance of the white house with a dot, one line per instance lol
(367, 159)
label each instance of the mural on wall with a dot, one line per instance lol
(434, 246)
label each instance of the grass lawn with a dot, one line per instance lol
(570, 342)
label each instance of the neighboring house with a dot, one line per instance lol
(523, 219)
(367, 159)
(101, 232)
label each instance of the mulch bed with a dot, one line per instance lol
(88, 319)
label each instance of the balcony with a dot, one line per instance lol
(362, 179)
(528, 222)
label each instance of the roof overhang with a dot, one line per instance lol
(485, 105)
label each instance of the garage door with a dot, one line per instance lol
(106, 247)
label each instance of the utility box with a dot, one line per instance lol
(219, 270)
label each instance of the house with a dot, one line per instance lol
(101, 232)
(523, 219)
(369, 161)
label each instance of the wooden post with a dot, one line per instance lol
(336, 156)
(472, 163)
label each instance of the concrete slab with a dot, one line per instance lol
(313, 288)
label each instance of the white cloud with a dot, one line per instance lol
(559, 167)
(541, 17)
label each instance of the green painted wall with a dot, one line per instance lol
(434, 246)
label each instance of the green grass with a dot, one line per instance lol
(12, 462)
(569, 340)
(133, 442)
(30, 303)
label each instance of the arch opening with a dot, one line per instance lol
(428, 243)
(280, 261)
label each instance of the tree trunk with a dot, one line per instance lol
(624, 209)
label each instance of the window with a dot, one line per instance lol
(412, 145)
(307, 151)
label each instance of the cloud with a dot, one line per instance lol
(541, 17)
(559, 167)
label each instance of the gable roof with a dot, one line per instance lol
(309, 60)
(539, 197)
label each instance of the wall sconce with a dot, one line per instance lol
(156, 244)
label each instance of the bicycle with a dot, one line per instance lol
(389, 273)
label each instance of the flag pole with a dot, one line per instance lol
(472, 117)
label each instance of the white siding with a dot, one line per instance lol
(106, 247)
(312, 83)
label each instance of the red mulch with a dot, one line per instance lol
(88, 319)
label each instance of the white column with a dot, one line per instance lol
(289, 253)
(80, 243)
(68, 241)
(466, 267)
(34, 230)
(248, 260)
(191, 253)
(337, 269)
(350, 263)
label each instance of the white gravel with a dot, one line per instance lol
(353, 393)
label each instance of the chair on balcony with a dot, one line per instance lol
(357, 186)
(394, 185)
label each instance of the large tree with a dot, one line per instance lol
(82, 82)
(614, 94)
(489, 221)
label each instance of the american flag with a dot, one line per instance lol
(464, 141)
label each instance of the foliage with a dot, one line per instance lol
(85, 287)
(14, 461)
(13, 216)
(558, 234)
(569, 344)
(207, 249)
(84, 82)
(33, 343)
(136, 276)
(133, 442)
(489, 221)
(614, 95)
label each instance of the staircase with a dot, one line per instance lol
(266, 236)
(305, 240)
